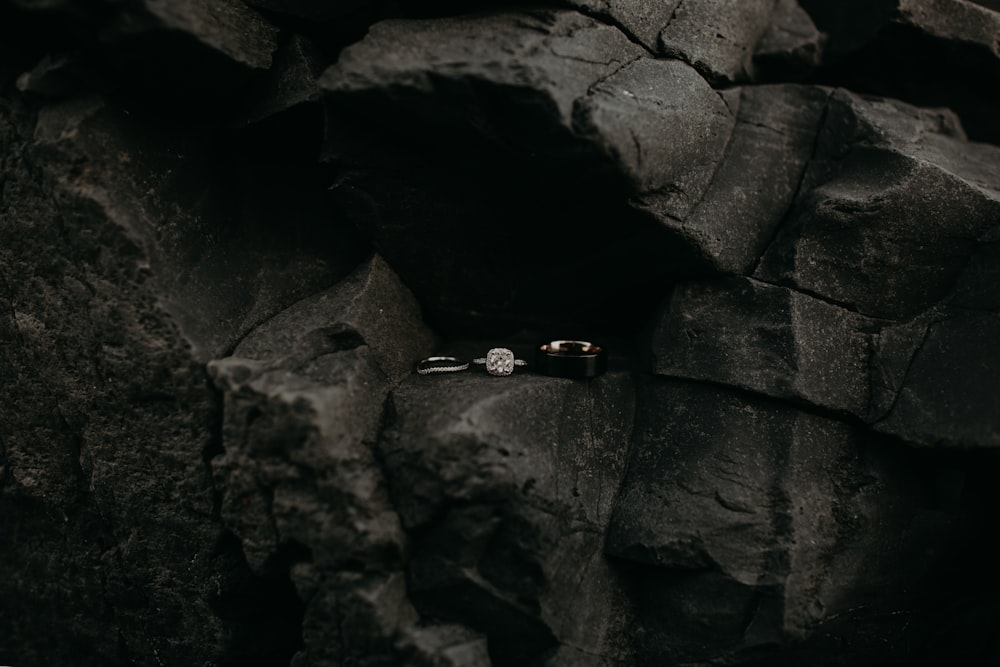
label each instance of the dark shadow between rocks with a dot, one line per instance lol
(501, 250)
(263, 610)
(903, 62)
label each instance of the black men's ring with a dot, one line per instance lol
(571, 359)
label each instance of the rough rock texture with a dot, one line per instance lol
(759, 175)
(230, 230)
(928, 52)
(510, 517)
(896, 198)
(122, 272)
(717, 36)
(770, 340)
(786, 521)
(298, 474)
(792, 47)
(546, 95)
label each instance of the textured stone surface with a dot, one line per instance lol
(951, 390)
(90, 362)
(768, 524)
(770, 340)
(226, 27)
(119, 275)
(552, 105)
(641, 19)
(933, 53)
(229, 230)
(543, 62)
(298, 472)
(792, 47)
(290, 83)
(508, 484)
(315, 10)
(717, 37)
(895, 198)
(160, 188)
(909, 379)
(759, 175)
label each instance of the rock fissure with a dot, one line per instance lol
(786, 219)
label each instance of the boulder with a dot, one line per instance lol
(932, 53)
(206, 48)
(717, 37)
(552, 105)
(197, 218)
(304, 397)
(105, 505)
(758, 525)
(121, 273)
(791, 48)
(506, 484)
(895, 198)
(758, 177)
(769, 340)
(950, 395)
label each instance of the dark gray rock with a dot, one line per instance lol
(954, 21)
(950, 395)
(507, 484)
(209, 47)
(167, 191)
(717, 37)
(666, 128)
(445, 646)
(104, 495)
(640, 19)
(226, 27)
(432, 72)
(58, 76)
(290, 83)
(770, 340)
(304, 399)
(758, 177)
(929, 381)
(119, 275)
(370, 305)
(792, 48)
(932, 54)
(578, 83)
(762, 524)
(314, 10)
(553, 106)
(892, 209)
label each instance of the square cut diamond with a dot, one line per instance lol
(500, 361)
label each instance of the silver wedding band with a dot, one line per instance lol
(434, 365)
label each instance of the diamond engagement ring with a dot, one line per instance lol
(500, 361)
(432, 365)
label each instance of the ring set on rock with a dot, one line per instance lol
(576, 359)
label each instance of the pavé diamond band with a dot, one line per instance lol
(433, 365)
(500, 361)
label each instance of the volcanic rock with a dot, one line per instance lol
(895, 198)
(767, 524)
(507, 485)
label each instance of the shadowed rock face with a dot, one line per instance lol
(230, 230)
